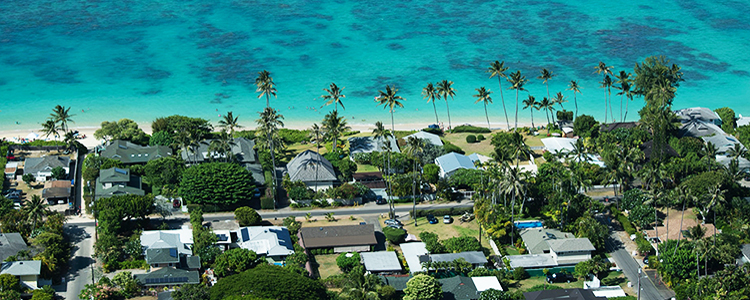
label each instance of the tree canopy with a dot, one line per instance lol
(269, 281)
(235, 261)
(216, 183)
(423, 287)
(125, 129)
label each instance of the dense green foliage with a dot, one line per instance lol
(432, 242)
(175, 124)
(269, 281)
(394, 235)
(423, 287)
(728, 121)
(471, 139)
(431, 173)
(467, 178)
(217, 183)
(164, 173)
(247, 216)
(590, 228)
(191, 292)
(462, 244)
(448, 148)
(347, 261)
(235, 261)
(125, 129)
(469, 128)
(586, 126)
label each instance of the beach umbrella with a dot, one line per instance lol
(32, 136)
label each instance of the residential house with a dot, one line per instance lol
(686, 115)
(10, 244)
(477, 158)
(367, 144)
(347, 238)
(415, 253)
(381, 262)
(535, 239)
(550, 248)
(41, 167)
(570, 251)
(451, 162)
(723, 142)
(117, 181)
(698, 128)
(743, 121)
(166, 248)
(312, 169)
(27, 271)
(430, 137)
(168, 278)
(562, 294)
(372, 180)
(458, 288)
(483, 283)
(565, 145)
(475, 258)
(272, 242)
(11, 169)
(648, 149)
(129, 153)
(57, 191)
(242, 152)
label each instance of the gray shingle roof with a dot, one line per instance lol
(168, 276)
(367, 144)
(266, 240)
(22, 267)
(454, 161)
(568, 245)
(56, 193)
(162, 256)
(114, 175)
(10, 244)
(161, 239)
(381, 261)
(102, 192)
(459, 288)
(338, 236)
(305, 165)
(698, 128)
(33, 165)
(432, 138)
(243, 150)
(472, 257)
(723, 142)
(696, 113)
(566, 294)
(129, 153)
(397, 282)
(536, 238)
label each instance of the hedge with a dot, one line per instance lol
(437, 131)
(452, 211)
(266, 202)
(626, 225)
(472, 129)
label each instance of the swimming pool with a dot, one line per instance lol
(528, 224)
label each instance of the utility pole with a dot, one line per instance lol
(639, 284)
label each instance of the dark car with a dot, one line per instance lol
(380, 200)
(645, 260)
(432, 219)
(560, 277)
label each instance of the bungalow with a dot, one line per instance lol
(430, 137)
(567, 294)
(536, 239)
(312, 169)
(272, 242)
(347, 238)
(551, 248)
(116, 181)
(570, 251)
(381, 262)
(41, 167)
(451, 162)
(129, 153)
(454, 288)
(415, 253)
(242, 152)
(57, 191)
(168, 278)
(686, 115)
(27, 271)
(11, 168)
(10, 244)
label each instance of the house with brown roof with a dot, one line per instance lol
(347, 238)
(57, 191)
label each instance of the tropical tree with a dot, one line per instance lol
(607, 84)
(498, 69)
(70, 140)
(547, 105)
(445, 89)
(625, 84)
(737, 152)
(229, 122)
(430, 93)
(517, 82)
(559, 99)
(333, 96)
(61, 115)
(546, 76)
(268, 125)
(483, 95)
(390, 99)
(36, 209)
(603, 69)
(414, 148)
(316, 136)
(222, 145)
(573, 86)
(531, 104)
(265, 86)
(49, 127)
(333, 127)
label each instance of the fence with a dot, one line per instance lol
(540, 272)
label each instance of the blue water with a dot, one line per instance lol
(524, 225)
(144, 59)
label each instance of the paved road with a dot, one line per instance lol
(630, 267)
(81, 264)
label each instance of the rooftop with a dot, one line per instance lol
(129, 153)
(566, 294)
(459, 288)
(266, 240)
(430, 137)
(696, 113)
(381, 261)
(114, 175)
(161, 239)
(367, 144)
(472, 257)
(699, 128)
(309, 166)
(242, 150)
(33, 165)
(536, 238)
(337, 236)
(415, 254)
(22, 267)
(529, 261)
(10, 244)
(483, 283)
(553, 144)
(454, 161)
(162, 256)
(570, 245)
(168, 276)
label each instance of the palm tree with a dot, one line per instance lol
(36, 209)
(49, 127)
(531, 104)
(430, 93)
(710, 150)
(624, 80)
(389, 99)
(229, 122)
(61, 115)
(70, 140)
(380, 133)
(334, 96)
(316, 134)
(414, 147)
(559, 99)
(579, 151)
(737, 152)
(547, 105)
(573, 86)
(266, 86)
(607, 84)
(444, 89)
(498, 69)
(603, 69)
(512, 184)
(268, 125)
(546, 76)
(517, 81)
(222, 145)
(483, 95)
(334, 126)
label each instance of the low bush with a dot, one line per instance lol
(448, 148)
(471, 129)
(437, 131)
(520, 273)
(394, 235)
(292, 136)
(542, 287)
(267, 203)
(480, 137)
(471, 139)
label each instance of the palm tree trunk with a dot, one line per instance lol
(414, 194)
(393, 133)
(576, 102)
(531, 109)
(273, 172)
(621, 98)
(447, 108)
(486, 115)
(434, 108)
(546, 112)
(515, 128)
(626, 110)
(500, 82)
(605, 106)
(609, 91)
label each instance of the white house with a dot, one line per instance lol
(41, 167)
(570, 251)
(451, 162)
(27, 271)
(273, 242)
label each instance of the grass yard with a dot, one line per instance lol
(534, 281)
(446, 231)
(318, 221)
(459, 139)
(327, 265)
(366, 168)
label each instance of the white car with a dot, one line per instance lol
(447, 219)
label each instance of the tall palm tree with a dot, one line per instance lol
(559, 99)
(737, 152)
(230, 123)
(414, 148)
(430, 93)
(390, 99)
(573, 86)
(268, 125)
(531, 104)
(265, 86)
(36, 209)
(334, 97)
(70, 140)
(547, 105)
(316, 134)
(625, 84)
(483, 95)
(334, 126)
(709, 153)
(546, 76)
(513, 185)
(61, 115)
(49, 127)
(222, 145)
(444, 89)
(498, 69)
(380, 133)
(517, 82)
(605, 70)
(579, 151)
(607, 85)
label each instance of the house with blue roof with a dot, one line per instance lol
(451, 162)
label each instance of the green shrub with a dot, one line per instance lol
(452, 211)
(480, 137)
(472, 129)
(542, 287)
(448, 147)
(431, 173)
(292, 136)
(520, 273)
(394, 235)
(347, 261)
(437, 131)
(471, 139)
(247, 216)
(728, 121)
(267, 202)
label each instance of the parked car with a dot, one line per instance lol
(432, 219)
(176, 203)
(395, 226)
(392, 222)
(380, 200)
(447, 219)
(560, 277)
(645, 260)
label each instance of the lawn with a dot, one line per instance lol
(459, 139)
(534, 281)
(327, 265)
(446, 231)
(366, 168)
(319, 221)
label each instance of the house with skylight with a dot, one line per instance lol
(117, 181)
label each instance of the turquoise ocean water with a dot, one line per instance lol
(145, 59)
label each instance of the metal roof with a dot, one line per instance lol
(22, 267)
(472, 257)
(10, 244)
(33, 165)
(129, 153)
(454, 161)
(168, 276)
(415, 254)
(570, 245)
(432, 138)
(381, 261)
(243, 150)
(266, 240)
